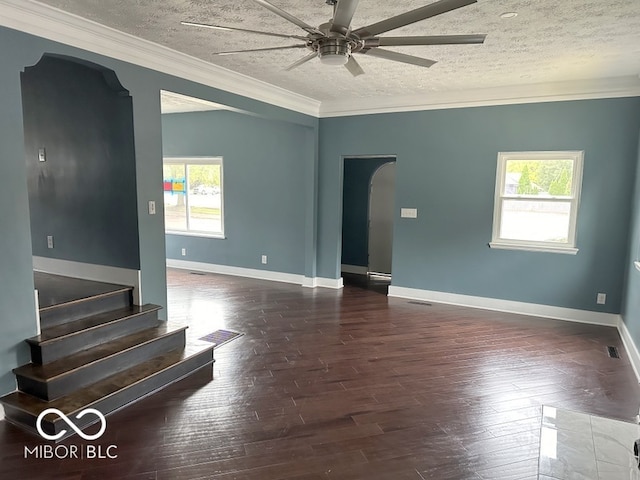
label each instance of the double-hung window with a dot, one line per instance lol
(536, 201)
(194, 196)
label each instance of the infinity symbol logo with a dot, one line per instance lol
(43, 434)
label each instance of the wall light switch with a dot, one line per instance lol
(152, 207)
(42, 155)
(409, 213)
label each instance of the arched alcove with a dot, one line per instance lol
(79, 147)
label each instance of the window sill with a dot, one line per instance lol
(195, 234)
(534, 248)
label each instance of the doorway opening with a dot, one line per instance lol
(367, 221)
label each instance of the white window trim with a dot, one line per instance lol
(576, 185)
(203, 161)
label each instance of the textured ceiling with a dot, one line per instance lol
(549, 41)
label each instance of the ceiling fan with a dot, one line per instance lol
(335, 42)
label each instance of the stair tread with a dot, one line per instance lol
(57, 290)
(64, 330)
(86, 396)
(84, 358)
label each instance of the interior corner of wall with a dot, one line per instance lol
(630, 346)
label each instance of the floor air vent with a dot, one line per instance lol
(424, 304)
(613, 352)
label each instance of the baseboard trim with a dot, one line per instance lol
(311, 282)
(89, 271)
(508, 306)
(630, 347)
(236, 271)
(357, 269)
(321, 282)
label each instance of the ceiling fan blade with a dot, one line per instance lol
(342, 15)
(398, 57)
(428, 40)
(287, 16)
(428, 11)
(305, 59)
(354, 67)
(231, 52)
(236, 29)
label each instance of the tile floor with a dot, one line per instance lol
(579, 446)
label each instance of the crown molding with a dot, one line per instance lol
(615, 87)
(54, 24)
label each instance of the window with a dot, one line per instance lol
(536, 203)
(193, 196)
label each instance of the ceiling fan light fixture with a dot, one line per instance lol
(334, 51)
(334, 59)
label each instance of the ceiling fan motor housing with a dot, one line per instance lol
(334, 51)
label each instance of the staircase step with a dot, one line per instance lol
(109, 394)
(62, 340)
(58, 378)
(119, 297)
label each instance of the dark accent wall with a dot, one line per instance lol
(356, 187)
(84, 194)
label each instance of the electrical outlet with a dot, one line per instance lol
(49, 241)
(152, 207)
(42, 155)
(184, 252)
(601, 299)
(264, 259)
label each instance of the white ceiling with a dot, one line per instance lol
(549, 41)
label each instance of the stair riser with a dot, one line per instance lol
(83, 308)
(112, 403)
(51, 351)
(99, 370)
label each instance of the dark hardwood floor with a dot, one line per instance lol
(350, 384)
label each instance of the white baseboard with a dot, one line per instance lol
(255, 273)
(236, 271)
(37, 301)
(89, 271)
(522, 308)
(335, 283)
(357, 269)
(630, 347)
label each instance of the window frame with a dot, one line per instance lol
(186, 161)
(569, 247)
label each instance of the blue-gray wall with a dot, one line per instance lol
(446, 167)
(631, 307)
(265, 164)
(84, 194)
(355, 212)
(17, 307)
